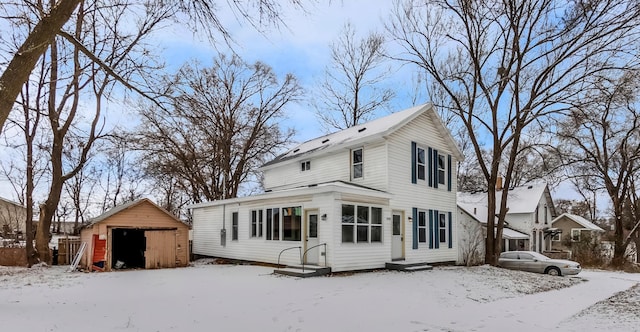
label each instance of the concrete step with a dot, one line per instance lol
(408, 266)
(309, 271)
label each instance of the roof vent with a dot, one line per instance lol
(296, 150)
(362, 129)
(325, 141)
(530, 187)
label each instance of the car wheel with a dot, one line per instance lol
(553, 271)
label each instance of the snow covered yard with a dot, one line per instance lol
(215, 297)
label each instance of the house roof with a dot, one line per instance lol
(371, 130)
(127, 206)
(522, 199)
(11, 202)
(480, 216)
(580, 220)
(334, 186)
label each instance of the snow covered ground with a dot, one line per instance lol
(217, 297)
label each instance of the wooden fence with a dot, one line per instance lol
(67, 250)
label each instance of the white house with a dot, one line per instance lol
(355, 199)
(528, 220)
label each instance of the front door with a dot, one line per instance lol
(397, 237)
(311, 238)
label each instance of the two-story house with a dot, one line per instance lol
(355, 199)
(528, 220)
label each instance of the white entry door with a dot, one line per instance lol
(311, 238)
(397, 237)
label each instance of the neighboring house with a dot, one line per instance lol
(376, 192)
(528, 220)
(571, 228)
(138, 234)
(12, 218)
(473, 233)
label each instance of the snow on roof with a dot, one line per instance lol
(522, 199)
(11, 202)
(580, 220)
(511, 234)
(126, 206)
(339, 186)
(357, 134)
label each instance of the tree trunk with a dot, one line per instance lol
(25, 59)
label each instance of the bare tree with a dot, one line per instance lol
(199, 15)
(223, 125)
(350, 92)
(507, 65)
(600, 141)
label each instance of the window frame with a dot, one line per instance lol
(423, 227)
(355, 164)
(256, 223)
(234, 226)
(305, 166)
(442, 169)
(573, 232)
(557, 237)
(443, 227)
(362, 225)
(420, 165)
(273, 224)
(295, 215)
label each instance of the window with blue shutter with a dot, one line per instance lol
(436, 169)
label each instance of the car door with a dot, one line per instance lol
(509, 260)
(528, 262)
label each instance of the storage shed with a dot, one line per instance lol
(138, 234)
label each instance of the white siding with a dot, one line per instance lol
(333, 167)
(408, 195)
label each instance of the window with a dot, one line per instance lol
(442, 227)
(421, 164)
(273, 224)
(356, 162)
(292, 223)
(556, 236)
(256, 223)
(234, 226)
(442, 164)
(306, 165)
(361, 224)
(537, 214)
(546, 218)
(575, 235)
(422, 226)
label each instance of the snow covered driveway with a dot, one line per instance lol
(249, 298)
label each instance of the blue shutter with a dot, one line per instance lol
(429, 166)
(450, 230)
(415, 228)
(436, 216)
(435, 168)
(449, 172)
(413, 163)
(430, 229)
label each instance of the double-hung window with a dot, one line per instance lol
(273, 224)
(234, 226)
(356, 163)
(421, 164)
(575, 235)
(292, 223)
(442, 166)
(442, 223)
(305, 165)
(422, 226)
(256, 223)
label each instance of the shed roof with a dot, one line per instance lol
(127, 206)
(377, 128)
(580, 220)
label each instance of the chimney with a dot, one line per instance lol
(499, 183)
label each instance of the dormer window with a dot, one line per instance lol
(305, 165)
(356, 163)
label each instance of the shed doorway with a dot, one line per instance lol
(129, 245)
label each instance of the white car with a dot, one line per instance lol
(532, 261)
